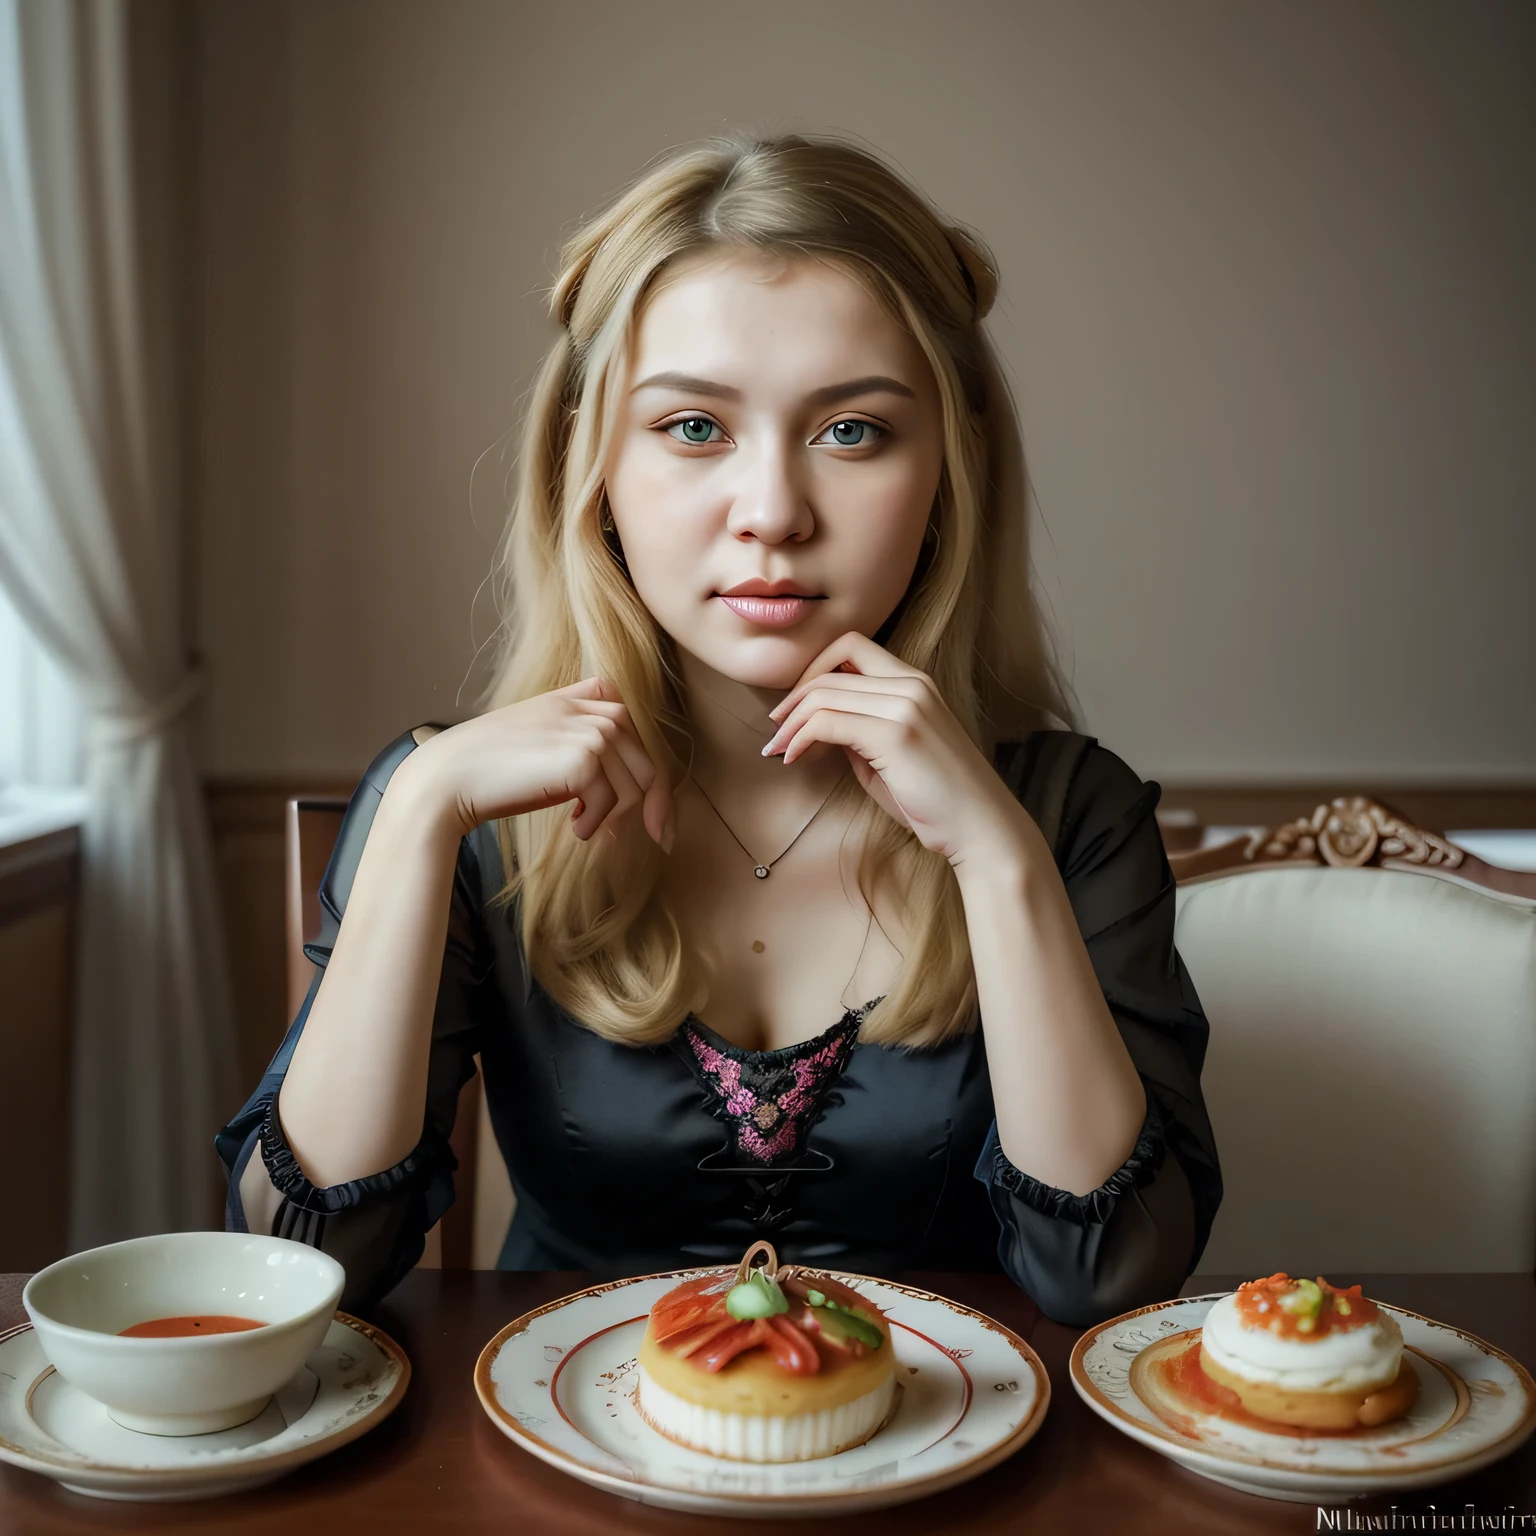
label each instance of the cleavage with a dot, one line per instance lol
(788, 962)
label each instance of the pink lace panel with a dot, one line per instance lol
(768, 1100)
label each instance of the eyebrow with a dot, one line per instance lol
(828, 394)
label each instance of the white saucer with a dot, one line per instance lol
(1476, 1404)
(351, 1382)
(560, 1381)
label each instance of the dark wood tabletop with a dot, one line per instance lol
(439, 1463)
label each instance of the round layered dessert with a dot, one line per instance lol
(1307, 1353)
(766, 1364)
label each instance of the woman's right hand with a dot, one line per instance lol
(576, 742)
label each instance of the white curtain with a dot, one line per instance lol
(90, 513)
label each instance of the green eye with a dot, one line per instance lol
(869, 434)
(696, 430)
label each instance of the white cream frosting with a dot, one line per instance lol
(1350, 1361)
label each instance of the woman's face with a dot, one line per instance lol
(778, 424)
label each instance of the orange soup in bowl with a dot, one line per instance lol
(186, 1327)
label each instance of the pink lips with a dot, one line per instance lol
(773, 612)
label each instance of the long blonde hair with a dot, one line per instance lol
(599, 936)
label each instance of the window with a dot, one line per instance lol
(41, 734)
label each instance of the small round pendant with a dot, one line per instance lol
(761, 871)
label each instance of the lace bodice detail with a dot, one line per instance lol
(768, 1100)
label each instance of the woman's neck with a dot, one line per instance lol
(730, 727)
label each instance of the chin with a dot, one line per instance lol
(772, 662)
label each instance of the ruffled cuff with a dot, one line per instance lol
(288, 1178)
(1140, 1168)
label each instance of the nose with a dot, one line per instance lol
(769, 500)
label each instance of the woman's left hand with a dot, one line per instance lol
(907, 749)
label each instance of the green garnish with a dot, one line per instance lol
(757, 1296)
(1304, 1303)
(815, 1298)
(849, 1322)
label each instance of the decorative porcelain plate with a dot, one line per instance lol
(560, 1381)
(351, 1382)
(1475, 1405)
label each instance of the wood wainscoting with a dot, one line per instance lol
(39, 890)
(1436, 808)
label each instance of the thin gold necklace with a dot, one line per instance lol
(761, 870)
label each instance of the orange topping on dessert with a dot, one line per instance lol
(711, 1319)
(1303, 1309)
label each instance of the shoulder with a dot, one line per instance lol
(378, 773)
(336, 885)
(1079, 791)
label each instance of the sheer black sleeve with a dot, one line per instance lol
(375, 1226)
(1138, 1236)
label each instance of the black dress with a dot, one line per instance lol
(631, 1160)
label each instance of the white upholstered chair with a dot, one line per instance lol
(1371, 1073)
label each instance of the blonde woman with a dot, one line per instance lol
(770, 883)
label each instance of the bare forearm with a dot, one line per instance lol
(1068, 1099)
(353, 1098)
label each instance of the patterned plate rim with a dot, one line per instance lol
(204, 1470)
(485, 1388)
(1218, 1454)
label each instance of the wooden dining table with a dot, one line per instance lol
(438, 1463)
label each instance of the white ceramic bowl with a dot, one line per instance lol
(189, 1385)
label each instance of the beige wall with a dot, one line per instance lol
(1267, 298)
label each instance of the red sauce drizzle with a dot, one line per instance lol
(187, 1327)
(1184, 1375)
